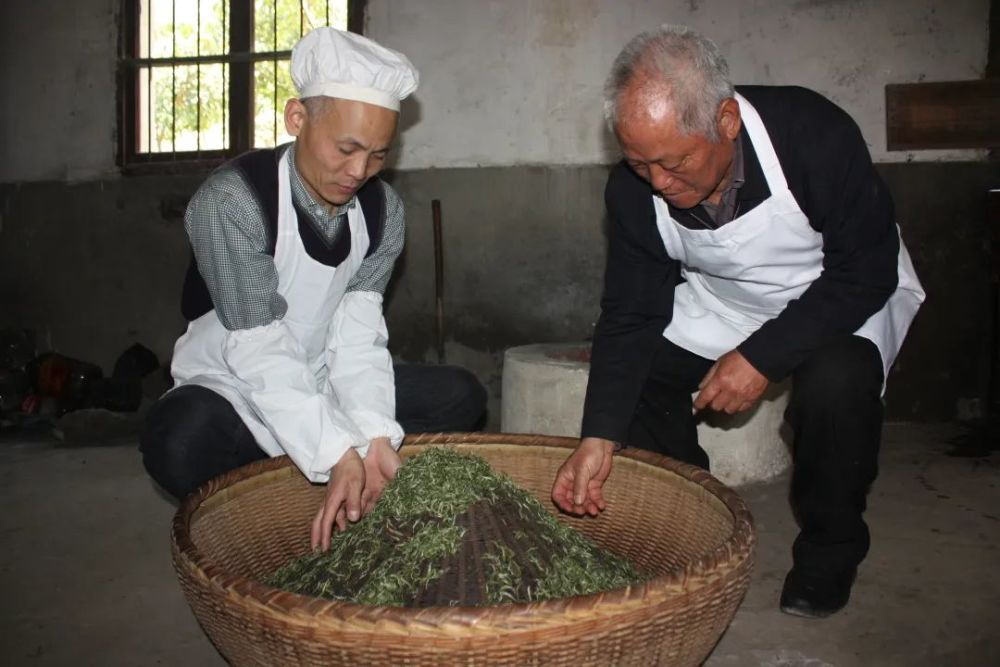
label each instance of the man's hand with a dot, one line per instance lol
(343, 499)
(580, 480)
(731, 385)
(381, 465)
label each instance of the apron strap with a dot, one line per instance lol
(259, 169)
(762, 145)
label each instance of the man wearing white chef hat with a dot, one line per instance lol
(285, 352)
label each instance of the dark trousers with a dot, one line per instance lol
(835, 412)
(193, 434)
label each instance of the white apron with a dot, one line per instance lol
(205, 354)
(745, 272)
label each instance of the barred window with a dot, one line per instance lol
(203, 80)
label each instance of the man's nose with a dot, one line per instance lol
(660, 178)
(357, 166)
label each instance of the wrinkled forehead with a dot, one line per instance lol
(644, 102)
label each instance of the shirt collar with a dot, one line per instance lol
(304, 199)
(736, 180)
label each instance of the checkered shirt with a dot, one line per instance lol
(229, 236)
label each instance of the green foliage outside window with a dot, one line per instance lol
(190, 101)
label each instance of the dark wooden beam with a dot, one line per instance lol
(128, 103)
(356, 16)
(993, 52)
(240, 77)
(949, 114)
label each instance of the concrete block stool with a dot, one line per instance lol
(544, 388)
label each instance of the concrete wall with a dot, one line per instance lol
(508, 82)
(93, 260)
(504, 82)
(96, 266)
(57, 89)
(524, 254)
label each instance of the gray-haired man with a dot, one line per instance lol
(751, 240)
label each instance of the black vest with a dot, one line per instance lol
(259, 169)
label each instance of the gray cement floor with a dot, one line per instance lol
(86, 577)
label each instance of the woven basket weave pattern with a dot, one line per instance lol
(670, 519)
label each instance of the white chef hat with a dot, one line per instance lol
(343, 64)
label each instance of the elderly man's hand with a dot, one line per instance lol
(343, 499)
(731, 385)
(579, 484)
(381, 465)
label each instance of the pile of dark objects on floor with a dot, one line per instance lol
(54, 394)
(448, 531)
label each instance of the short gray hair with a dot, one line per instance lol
(689, 65)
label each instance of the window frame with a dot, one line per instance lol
(241, 60)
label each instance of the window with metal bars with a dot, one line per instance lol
(203, 80)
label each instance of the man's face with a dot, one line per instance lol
(340, 146)
(683, 169)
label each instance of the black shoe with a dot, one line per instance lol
(814, 595)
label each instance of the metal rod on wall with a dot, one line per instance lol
(173, 78)
(274, 80)
(149, 79)
(993, 389)
(198, 85)
(438, 280)
(225, 77)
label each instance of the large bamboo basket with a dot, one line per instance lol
(671, 519)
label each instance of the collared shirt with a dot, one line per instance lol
(229, 236)
(327, 221)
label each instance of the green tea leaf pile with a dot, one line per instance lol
(449, 530)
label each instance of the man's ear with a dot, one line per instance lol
(295, 116)
(728, 119)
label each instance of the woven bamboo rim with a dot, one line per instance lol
(452, 622)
